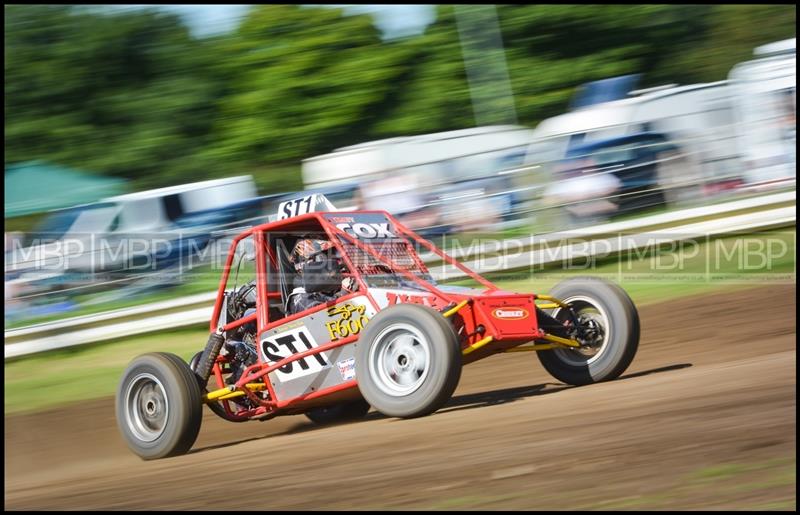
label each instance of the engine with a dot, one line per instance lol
(240, 343)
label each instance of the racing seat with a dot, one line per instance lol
(286, 275)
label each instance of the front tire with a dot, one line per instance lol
(607, 307)
(159, 406)
(408, 361)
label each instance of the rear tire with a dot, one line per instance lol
(159, 406)
(408, 361)
(610, 307)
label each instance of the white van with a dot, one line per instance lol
(85, 238)
(154, 210)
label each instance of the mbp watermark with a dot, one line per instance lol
(659, 256)
(751, 253)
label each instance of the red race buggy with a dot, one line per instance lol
(395, 341)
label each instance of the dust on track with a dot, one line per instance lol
(704, 418)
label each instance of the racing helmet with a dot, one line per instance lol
(307, 249)
(319, 267)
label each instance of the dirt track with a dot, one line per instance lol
(703, 419)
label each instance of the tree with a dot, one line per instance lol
(125, 94)
(733, 31)
(552, 49)
(131, 93)
(301, 81)
(435, 94)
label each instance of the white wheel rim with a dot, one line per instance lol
(399, 359)
(146, 407)
(585, 356)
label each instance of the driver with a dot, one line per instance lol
(321, 278)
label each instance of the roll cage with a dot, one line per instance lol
(474, 314)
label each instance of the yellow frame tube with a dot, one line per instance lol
(216, 394)
(531, 348)
(231, 395)
(477, 345)
(456, 308)
(551, 299)
(558, 342)
(230, 392)
(562, 341)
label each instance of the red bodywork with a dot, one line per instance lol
(507, 317)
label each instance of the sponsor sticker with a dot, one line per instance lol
(352, 319)
(347, 368)
(304, 205)
(510, 313)
(367, 231)
(282, 345)
(341, 219)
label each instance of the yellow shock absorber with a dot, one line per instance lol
(555, 303)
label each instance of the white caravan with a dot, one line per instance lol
(765, 107)
(439, 157)
(697, 118)
(743, 127)
(455, 174)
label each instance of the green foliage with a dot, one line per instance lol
(435, 93)
(554, 48)
(124, 94)
(733, 31)
(131, 93)
(301, 80)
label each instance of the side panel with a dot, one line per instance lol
(319, 371)
(512, 316)
(386, 297)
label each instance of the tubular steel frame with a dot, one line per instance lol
(254, 378)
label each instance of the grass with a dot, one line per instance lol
(725, 471)
(202, 279)
(776, 506)
(92, 371)
(24, 223)
(87, 372)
